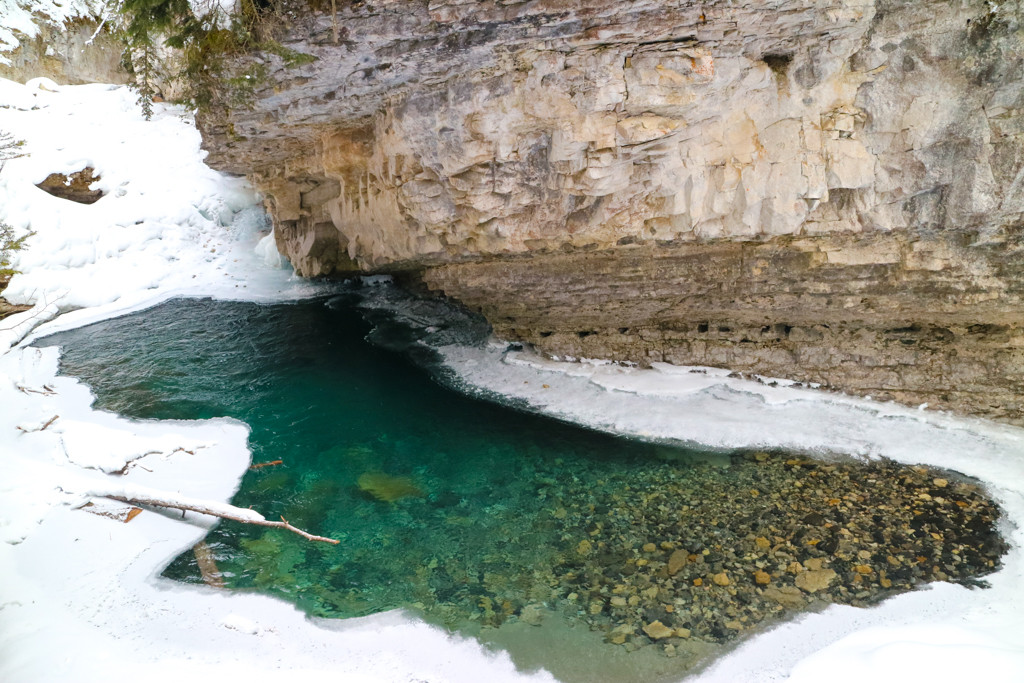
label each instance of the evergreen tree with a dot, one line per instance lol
(9, 149)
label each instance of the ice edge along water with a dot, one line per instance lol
(87, 588)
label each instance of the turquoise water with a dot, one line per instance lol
(491, 521)
(475, 540)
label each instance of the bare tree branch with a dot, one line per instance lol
(224, 512)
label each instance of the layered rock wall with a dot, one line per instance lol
(929, 320)
(573, 168)
(74, 54)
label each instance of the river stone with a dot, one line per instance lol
(787, 596)
(532, 614)
(815, 580)
(657, 630)
(618, 635)
(676, 561)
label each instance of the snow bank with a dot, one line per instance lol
(167, 224)
(80, 600)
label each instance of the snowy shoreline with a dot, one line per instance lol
(88, 587)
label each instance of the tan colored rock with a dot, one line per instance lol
(70, 54)
(787, 596)
(813, 581)
(657, 630)
(813, 563)
(762, 578)
(533, 614)
(625, 159)
(721, 579)
(76, 187)
(619, 634)
(676, 561)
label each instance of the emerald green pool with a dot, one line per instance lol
(598, 558)
(481, 524)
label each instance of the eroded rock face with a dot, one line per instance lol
(540, 158)
(74, 54)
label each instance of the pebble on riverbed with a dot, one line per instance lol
(674, 554)
(704, 556)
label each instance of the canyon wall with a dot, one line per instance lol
(828, 190)
(70, 55)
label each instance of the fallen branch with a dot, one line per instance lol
(47, 390)
(46, 424)
(215, 510)
(131, 462)
(208, 565)
(261, 465)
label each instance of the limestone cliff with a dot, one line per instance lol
(74, 53)
(828, 190)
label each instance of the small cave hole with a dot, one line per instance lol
(778, 63)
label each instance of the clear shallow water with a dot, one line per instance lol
(598, 558)
(471, 542)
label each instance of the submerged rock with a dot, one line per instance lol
(845, 532)
(815, 580)
(387, 487)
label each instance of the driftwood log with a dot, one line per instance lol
(239, 516)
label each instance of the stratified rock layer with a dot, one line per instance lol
(603, 178)
(922, 320)
(73, 54)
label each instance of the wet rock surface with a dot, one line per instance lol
(6, 307)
